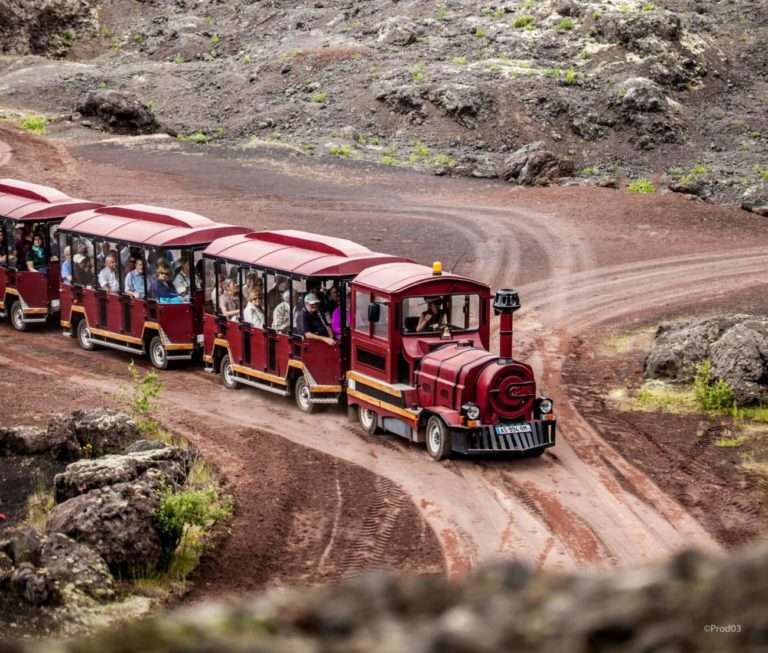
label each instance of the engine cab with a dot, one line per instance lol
(421, 366)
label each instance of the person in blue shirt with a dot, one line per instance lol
(66, 266)
(162, 289)
(134, 280)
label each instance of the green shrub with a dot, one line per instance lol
(523, 21)
(565, 24)
(648, 6)
(388, 160)
(198, 138)
(761, 171)
(641, 186)
(571, 76)
(141, 399)
(344, 151)
(480, 33)
(417, 72)
(419, 152)
(319, 97)
(34, 124)
(178, 59)
(181, 511)
(443, 160)
(711, 393)
(460, 61)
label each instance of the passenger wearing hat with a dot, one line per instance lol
(434, 317)
(312, 324)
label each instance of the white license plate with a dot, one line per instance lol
(506, 429)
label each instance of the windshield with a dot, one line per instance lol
(433, 313)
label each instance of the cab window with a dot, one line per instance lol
(433, 313)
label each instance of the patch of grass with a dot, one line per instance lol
(39, 504)
(555, 73)
(441, 12)
(663, 397)
(178, 59)
(460, 61)
(319, 97)
(696, 172)
(641, 186)
(571, 77)
(588, 171)
(761, 171)
(343, 151)
(522, 21)
(648, 6)
(138, 38)
(419, 152)
(67, 38)
(565, 25)
(731, 443)
(215, 40)
(711, 393)
(247, 60)
(443, 160)
(388, 160)
(105, 32)
(417, 72)
(480, 33)
(34, 124)
(198, 138)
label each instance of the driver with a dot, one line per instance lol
(434, 317)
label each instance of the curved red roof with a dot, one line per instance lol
(21, 200)
(299, 252)
(396, 277)
(149, 225)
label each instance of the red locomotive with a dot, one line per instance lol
(322, 319)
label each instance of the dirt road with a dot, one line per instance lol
(580, 257)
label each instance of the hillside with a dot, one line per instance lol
(614, 90)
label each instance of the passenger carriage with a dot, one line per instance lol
(282, 267)
(134, 281)
(421, 366)
(29, 294)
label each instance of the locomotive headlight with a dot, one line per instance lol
(471, 411)
(546, 406)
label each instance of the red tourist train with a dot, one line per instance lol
(322, 319)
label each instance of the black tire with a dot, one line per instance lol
(438, 438)
(369, 420)
(83, 335)
(17, 316)
(227, 374)
(303, 396)
(158, 356)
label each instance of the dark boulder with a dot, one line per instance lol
(755, 200)
(103, 431)
(33, 585)
(462, 102)
(120, 112)
(116, 521)
(534, 165)
(70, 563)
(21, 544)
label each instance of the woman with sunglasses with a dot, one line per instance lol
(161, 288)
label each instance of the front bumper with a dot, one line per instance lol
(485, 440)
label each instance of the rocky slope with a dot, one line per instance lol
(691, 603)
(673, 90)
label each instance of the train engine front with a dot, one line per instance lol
(421, 365)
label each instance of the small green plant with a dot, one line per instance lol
(648, 6)
(460, 61)
(731, 443)
(215, 40)
(141, 399)
(596, 15)
(319, 97)
(39, 504)
(178, 59)
(641, 186)
(67, 38)
(571, 76)
(761, 171)
(525, 20)
(480, 33)
(388, 160)
(565, 25)
(198, 138)
(34, 124)
(589, 171)
(343, 151)
(138, 38)
(247, 60)
(555, 73)
(419, 152)
(417, 72)
(106, 32)
(181, 511)
(443, 160)
(711, 393)
(441, 12)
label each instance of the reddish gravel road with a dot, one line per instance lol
(581, 258)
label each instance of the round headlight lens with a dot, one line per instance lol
(471, 411)
(546, 406)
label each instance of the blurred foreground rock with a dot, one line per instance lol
(693, 602)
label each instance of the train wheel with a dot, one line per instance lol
(368, 420)
(303, 396)
(157, 354)
(438, 438)
(84, 336)
(228, 374)
(17, 317)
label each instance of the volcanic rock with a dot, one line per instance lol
(398, 30)
(33, 585)
(755, 199)
(119, 111)
(534, 165)
(71, 563)
(21, 544)
(116, 521)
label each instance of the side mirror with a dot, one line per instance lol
(374, 312)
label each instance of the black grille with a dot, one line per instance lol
(486, 439)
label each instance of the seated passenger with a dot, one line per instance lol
(161, 288)
(434, 317)
(229, 302)
(23, 245)
(281, 318)
(108, 276)
(36, 260)
(181, 281)
(3, 247)
(253, 313)
(134, 280)
(312, 324)
(66, 266)
(336, 314)
(81, 271)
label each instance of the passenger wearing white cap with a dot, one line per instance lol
(312, 324)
